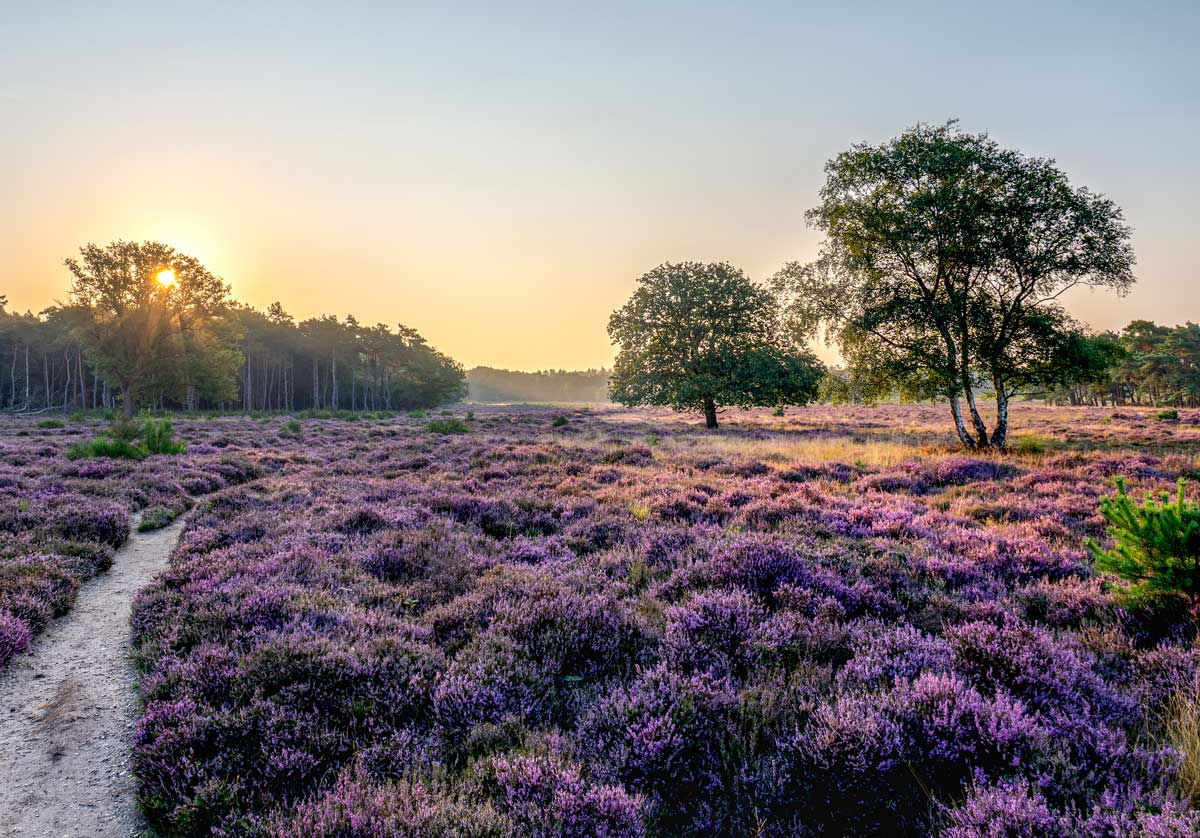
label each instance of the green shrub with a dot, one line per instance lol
(559, 421)
(121, 440)
(447, 412)
(51, 423)
(778, 411)
(1171, 415)
(292, 427)
(159, 437)
(1156, 545)
(447, 426)
(103, 446)
(417, 414)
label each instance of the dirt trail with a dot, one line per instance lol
(67, 709)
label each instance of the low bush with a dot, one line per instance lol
(158, 437)
(1171, 415)
(51, 423)
(131, 440)
(125, 430)
(105, 447)
(447, 426)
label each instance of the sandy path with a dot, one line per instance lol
(67, 708)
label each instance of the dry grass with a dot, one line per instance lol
(1183, 732)
(786, 448)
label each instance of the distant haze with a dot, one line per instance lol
(498, 177)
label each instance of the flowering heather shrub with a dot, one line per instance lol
(60, 520)
(545, 796)
(14, 636)
(714, 632)
(883, 655)
(356, 807)
(635, 628)
(950, 733)
(664, 735)
(1011, 810)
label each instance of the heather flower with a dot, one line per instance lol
(662, 737)
(1004, 811)
(545, 796)
(1029, 663)
(356, 807)
(882, 655)
(951, 733)
(14, 637)
(492, 682)
(714, 632)
(854, 751)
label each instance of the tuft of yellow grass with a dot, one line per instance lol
(1183, 732)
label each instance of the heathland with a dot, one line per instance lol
(551, 621)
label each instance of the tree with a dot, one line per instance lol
(944, 259)
(698, 336)
(139, 321)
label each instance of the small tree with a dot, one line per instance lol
(1156, 545)
(145, 307)
(699, 336)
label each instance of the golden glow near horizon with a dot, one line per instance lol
(431, 171)
(166, 278)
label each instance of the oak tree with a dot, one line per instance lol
(700, 336)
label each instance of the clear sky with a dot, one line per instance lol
(498, 175)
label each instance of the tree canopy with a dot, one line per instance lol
(944, 259)
(699, 336)
(147, 316)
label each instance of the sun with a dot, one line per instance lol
(166, 277)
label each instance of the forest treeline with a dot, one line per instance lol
(1153, 365)
(326, 363)
(252, 360)
(494, 386)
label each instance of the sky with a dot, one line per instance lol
(498, 175)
